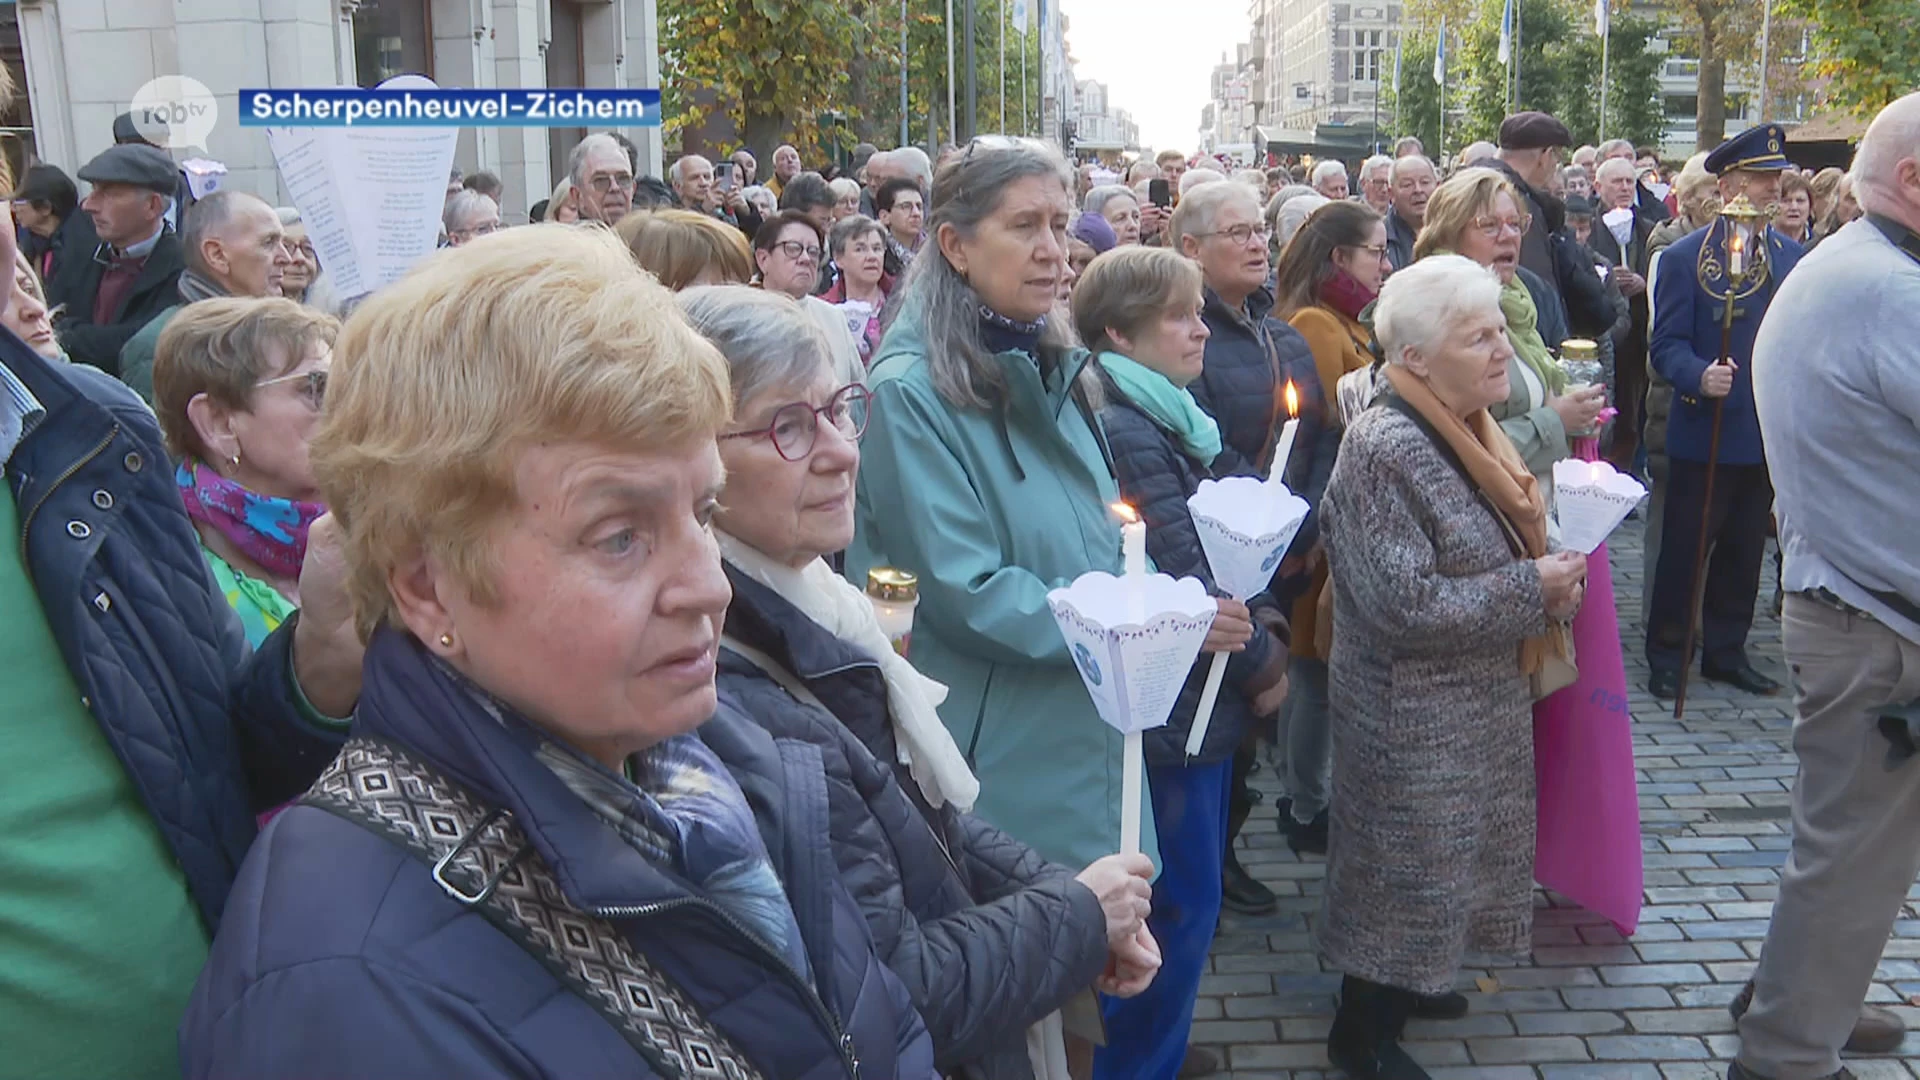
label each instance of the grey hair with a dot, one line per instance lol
(1568, 172)
(1281, 198)
(1200, 206)
(851, 228)
(915, 161)
(1097, 199)
(1294, 215)
(757, 194)
(1194, 178)
(1613, 165)
(1893, 137)
(1325, 169)
(1253, 178)
(1410, 161)
(577, 159)
(1607, 148)
(288, 215)
(675, 172)
(206, 218)
(464, 205)
(966, 192)
(769, 341)
(1419, 304)
(843, 186)
(1375, 162)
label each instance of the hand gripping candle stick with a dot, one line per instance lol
(1133, 638)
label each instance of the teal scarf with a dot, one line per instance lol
(1172, 406)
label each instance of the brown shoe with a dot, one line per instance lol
(1878, 1031)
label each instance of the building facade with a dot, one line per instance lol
(83, 61)
(1102, 130)
(1325, 61)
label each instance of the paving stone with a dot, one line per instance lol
(1618, 997)
(1601, 1071)
(1682, 1022)
(1569, 1023)
(1656, 952)
(1646, 1047)
(1652, 974)
(1527, 1050)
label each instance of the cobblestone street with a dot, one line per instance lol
(1590, 1005)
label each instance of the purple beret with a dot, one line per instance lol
(1093, 231)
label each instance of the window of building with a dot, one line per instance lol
(391, 37)
(567, 67)
(1367, 52)
(16, 121)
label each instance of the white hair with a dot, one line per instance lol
(1377, 161)
(577, 160)
(466, 203)
(1607, 148)
(1408, 162)
(843, 186)
(1253, 178)
(674, 171)
(1199, 208)
(1614, 165)
(1098, 198)
(1294, 214)
(1893, 137)
(914, 160)
(1326, 169)
(769, 341)
(1193, 178)
(1420, 304)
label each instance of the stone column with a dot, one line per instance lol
(520, 31)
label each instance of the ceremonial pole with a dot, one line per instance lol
(953, 131)
(1003, 68)
(1738, 213)
(1603, 25)
(905, 136)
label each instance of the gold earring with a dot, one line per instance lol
(234, 461)
(446, 640)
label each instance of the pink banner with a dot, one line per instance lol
(1587, 844)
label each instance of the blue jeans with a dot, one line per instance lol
(1147, 1035)
(1309, 770)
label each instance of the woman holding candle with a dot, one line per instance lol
(1328, 275)
(1443, 589)
(992, 940)
(1139, 308)
(1477, 213)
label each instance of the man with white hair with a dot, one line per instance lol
(1408, 145)
(1621, 237)
(467, 215)
(1412, 181)
(1477, 153)
(602, 176)
(1836, 379)
(1330, 179)
(1376, 182)
(1193, 178)
(692, 179)
(786, 166)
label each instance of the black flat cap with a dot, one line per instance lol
(1579, 206)
(136, 164)
(126, 131)
(1533, 131)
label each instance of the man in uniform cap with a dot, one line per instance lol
(135, 262)
(1689, 304)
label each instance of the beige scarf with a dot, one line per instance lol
(926, 747)
(1495, 468)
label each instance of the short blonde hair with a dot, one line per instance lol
(557, 200)
(843, 186)
(223, 347)
(1450, 211)
(443, 380)
(1127, 288)
(677, 246)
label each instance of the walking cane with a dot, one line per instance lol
(1740, 214)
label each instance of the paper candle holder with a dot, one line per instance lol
(1591, 499)
(1245, 526)
(1133, 640)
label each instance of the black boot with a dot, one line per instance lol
(1239, 892)
(1365, 1040)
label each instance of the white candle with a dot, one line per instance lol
(1130, 774)
(1203, 713)
(1133, 551)
(1734, 245)
(1133, 546)
(1287, 431)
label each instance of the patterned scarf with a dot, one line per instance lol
(269, 530)
(1002, 334)
(679, 808)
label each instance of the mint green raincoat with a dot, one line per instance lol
(993, 513)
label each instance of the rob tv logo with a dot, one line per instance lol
(175, 112)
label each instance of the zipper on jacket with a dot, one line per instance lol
(842, 1041)
(26, 520)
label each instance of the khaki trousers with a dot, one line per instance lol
(1856, 842)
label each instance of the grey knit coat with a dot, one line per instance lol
(1431, 854)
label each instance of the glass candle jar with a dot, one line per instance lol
(1581, 358)
(894, 594)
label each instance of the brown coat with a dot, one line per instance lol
(1339, 345)
(1431, 852)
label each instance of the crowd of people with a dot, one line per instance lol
(491, 673)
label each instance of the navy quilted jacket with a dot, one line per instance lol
(987, 936)
(1250, 357)
(1157, 477)
(209, 733)
(342, 958)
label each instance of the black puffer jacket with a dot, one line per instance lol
(987, 936)
(1157, 477)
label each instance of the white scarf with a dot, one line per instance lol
(926, 746)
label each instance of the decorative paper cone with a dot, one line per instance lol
(1591, 499)
(1245, 526)
(1133, 652)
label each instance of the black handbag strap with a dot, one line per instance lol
(480, 857)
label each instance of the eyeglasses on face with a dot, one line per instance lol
(1492, 227)
(606, 182)
(1241, 235)
(795, 427)
(795, 250)
(1378, 251)
(312, 385)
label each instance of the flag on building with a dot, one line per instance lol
(1600, 17)
(1506, 33)
(1440, 56)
